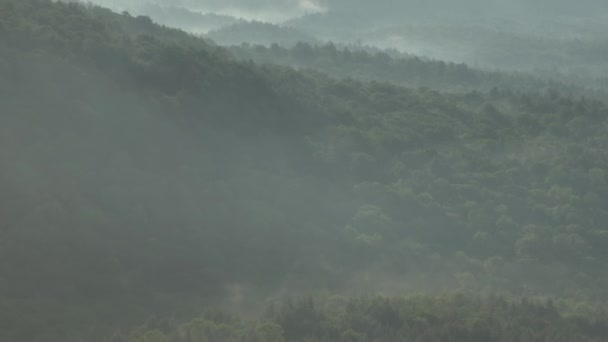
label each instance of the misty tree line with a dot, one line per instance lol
(458, 317)
(571, 65)
(365, 63)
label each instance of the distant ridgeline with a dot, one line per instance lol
(367, 63)
(146, 172)
(258, 33)
(188, 20)
(569, 47)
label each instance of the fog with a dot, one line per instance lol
(268, 11)
(303, 170)
(532, 36)
(385, 10)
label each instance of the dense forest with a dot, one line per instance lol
(148, 172)
(372, 64)
(456, 317)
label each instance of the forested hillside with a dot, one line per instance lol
(571, 52)
(557, 40)
(373, 64)
(146, 172)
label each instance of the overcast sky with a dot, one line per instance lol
(280, 10)
(263, 10)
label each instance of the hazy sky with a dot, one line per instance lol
(263, 10)
(281, 10)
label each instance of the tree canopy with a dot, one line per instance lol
(146, 171)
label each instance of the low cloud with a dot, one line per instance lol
(311, 6)
(268, 11)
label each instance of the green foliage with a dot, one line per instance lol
(270, 332)
(457, 317)
(144, 172)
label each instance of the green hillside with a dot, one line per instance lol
(146, 172)
(372, 64)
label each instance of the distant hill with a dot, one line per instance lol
(373, 64)
(499, 48)
(185, 19)
(568, 46)
(258, 33)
